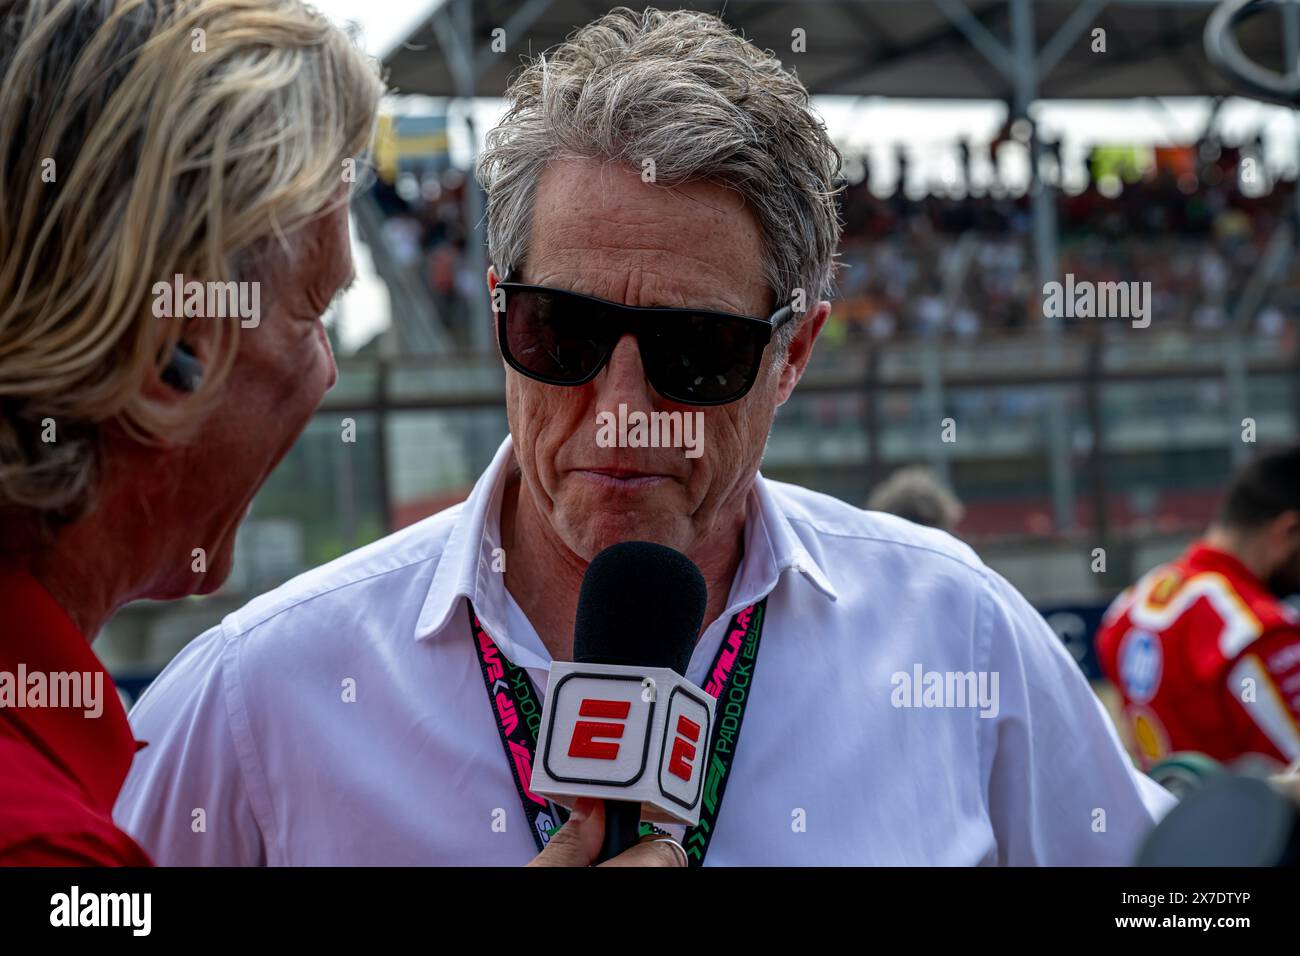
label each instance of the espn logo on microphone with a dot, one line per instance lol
(624, 733)
(584, 742)
(585, 732)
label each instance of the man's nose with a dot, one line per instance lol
(623, 379)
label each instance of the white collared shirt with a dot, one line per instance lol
(839, 761)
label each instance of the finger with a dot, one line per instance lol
(651, 850)
(577, 843)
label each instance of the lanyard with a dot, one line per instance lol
(518, 715)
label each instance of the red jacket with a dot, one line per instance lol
(61, 766)
(1207, 659)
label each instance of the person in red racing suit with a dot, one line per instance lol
(1203, 650)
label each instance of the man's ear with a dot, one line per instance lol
(1280, 538)
(1287, 525)
(492, 280)
(800, 350)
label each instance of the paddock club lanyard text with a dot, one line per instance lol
(517, 710)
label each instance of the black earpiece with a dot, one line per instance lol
(183, 372)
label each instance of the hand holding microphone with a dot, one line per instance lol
(621, 722)
(578, 843)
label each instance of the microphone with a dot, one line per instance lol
(621, 721)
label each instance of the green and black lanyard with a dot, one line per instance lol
(517, 710)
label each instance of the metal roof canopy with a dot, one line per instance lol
(959, 49)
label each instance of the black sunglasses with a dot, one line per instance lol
(690, 356)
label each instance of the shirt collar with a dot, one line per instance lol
(95, 751)
(784, 548)
(465, 568)
(468, 550)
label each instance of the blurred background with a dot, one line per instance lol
(990, 148)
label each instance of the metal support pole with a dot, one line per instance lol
(480, 329)
(345, 493)
(932, 397)
(1290, 46)
(1045, 261)
(1235, 383)
(1067, 34)
(517, 25)
(382, 422)
(980, 38)
(871, 381)
(1097, 424)
(1262, 281)
(1291, 51)
(932, 386)
(454, 26)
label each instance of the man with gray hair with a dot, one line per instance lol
(662, 229)
(916, 494)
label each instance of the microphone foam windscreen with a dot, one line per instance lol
(641, 604)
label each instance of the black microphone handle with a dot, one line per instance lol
(622, 828)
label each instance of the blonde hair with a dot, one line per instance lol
(140, 139)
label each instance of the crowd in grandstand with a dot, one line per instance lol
(961, 265)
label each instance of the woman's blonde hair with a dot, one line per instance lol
(140, 139)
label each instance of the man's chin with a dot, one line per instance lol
(211, 581)
(190, 582)
(593, 532)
